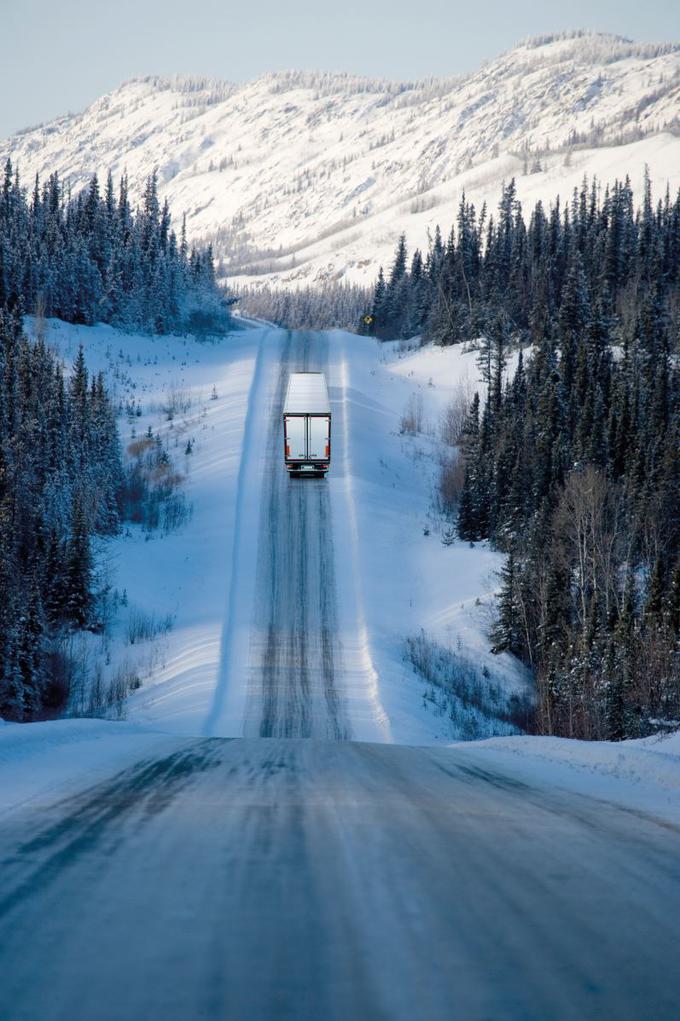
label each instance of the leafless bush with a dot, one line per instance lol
(61, 671)
(408, 344)
(149, 496)
(175, 512)
(454, 414)
(138, 448)
(411, 421)
(475, 705)
(69, 670)
(451, 481)
(143, 626)
(106, 699)
(80, 685)
(178, 401)
(423, 203)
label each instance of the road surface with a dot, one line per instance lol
(295, 670)
(312, 879)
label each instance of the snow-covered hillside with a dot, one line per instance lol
(304, 177)
(394, 576)
(201, 576)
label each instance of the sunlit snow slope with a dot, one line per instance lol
(304, 177)
(289, 600)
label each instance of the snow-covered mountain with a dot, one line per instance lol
(303, 177)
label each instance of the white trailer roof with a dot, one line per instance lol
(307, 394)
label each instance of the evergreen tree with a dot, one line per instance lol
(92, 259)
(506, 632)
(572, 466)
(78, 575)
(60, 472)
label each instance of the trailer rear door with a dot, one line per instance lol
(295, 437)
(319, 437)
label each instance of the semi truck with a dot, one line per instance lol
(307, 425)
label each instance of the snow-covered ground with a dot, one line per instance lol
(184, 573)
(393, 573)
(43, 761)
(393, 579)
(410, 580)
(642, 775)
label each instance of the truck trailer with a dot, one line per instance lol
(307, 425)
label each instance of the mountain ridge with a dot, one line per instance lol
(303, 176)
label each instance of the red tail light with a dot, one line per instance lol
(328, 450)
(287, 450)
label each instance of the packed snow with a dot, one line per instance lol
(642, 775)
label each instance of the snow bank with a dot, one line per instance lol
(39, 759)
(186, 573)
(408, 579)
(643, 775)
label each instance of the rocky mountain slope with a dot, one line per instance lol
(299, 177)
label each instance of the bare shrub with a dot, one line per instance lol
(139, 447)
(176, 511)
(78, 683)
(106, 699)
(423, 203)
(149, 496)
(411, 422)
(451, 481)
(61, 672)
(69, 667)
(475, 705)
(407, 344)
(143, 626)
(177, 402)
(454, 414)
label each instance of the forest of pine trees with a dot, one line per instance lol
(329, 306)
(95, 259)
(62, 482)
(60, 473)
(573, 463)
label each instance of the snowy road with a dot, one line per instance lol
(314, 879)
(294, 653)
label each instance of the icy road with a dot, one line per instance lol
(294, 649)
(279, 878)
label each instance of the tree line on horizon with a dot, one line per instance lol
(94, 258)
(572, 461)
(331, 304)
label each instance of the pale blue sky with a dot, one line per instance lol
(59, 55)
